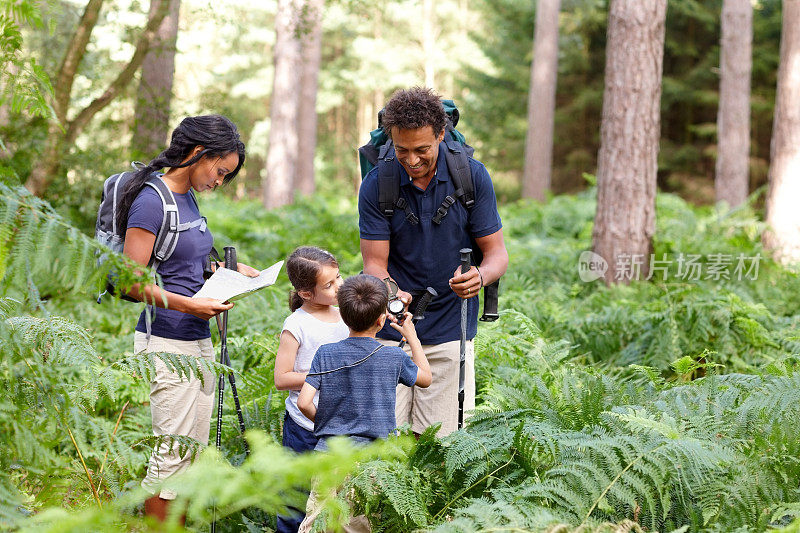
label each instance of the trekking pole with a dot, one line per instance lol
(465, 266)
(419, 312)
(230, 263)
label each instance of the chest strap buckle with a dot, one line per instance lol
(442, 211)
(410, 216)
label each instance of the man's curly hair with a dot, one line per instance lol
(409, 109)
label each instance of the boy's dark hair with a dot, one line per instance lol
(413, 108)
(362, 299)
(303, 267)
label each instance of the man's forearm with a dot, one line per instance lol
(493, 267)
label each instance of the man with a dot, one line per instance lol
(414, 252)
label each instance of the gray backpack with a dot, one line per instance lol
(107, 233)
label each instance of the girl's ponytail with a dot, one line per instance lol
(295, 301)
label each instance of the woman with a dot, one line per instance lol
(205, 152)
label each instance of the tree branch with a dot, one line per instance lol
(76, 125)
(72, 58)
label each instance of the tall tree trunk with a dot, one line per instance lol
(155, 86)
(541, 102)
(629, 135)
(58, 140)
(307, 110)
(783, 217)
(429, 42)
(733, 117)
(278, 183)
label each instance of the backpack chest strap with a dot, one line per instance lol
(200, 223)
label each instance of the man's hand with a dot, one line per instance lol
(468, 284)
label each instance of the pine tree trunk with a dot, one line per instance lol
(783, 217)
(58, 141)
(278, 183)
(429, 42)
(307, 112)
(541, 102)
(155, 87)
(629, 136)
(733, 118)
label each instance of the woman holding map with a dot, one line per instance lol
(204, 152)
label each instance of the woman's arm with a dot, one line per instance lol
(139, 247)
(285, 376)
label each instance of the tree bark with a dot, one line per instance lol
(155, 86)
(629, 136)
(428, 42)
(783, 217)
(58, 140)
(307, 110)
(541, 102)
(733, 117)
(278, 183)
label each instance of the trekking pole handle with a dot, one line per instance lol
(419, 312)
(466, 254)
(230, 258)
(424, 300)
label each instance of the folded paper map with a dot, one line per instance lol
(227, 285)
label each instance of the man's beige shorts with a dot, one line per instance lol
(439, 402)
(179, 406)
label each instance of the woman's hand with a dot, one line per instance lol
(243, 269)
(206, 308)
(247, 270)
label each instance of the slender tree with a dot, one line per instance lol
(278, 182)
(429, 42)
(541, 102)
(629, 136)
(783, 217)
(733, 116)
(307, 111)
(155, 86)
(61, 135)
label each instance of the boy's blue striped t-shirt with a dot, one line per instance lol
(358, 401)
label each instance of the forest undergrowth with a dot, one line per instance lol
(663, 405)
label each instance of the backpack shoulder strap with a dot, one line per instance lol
(167, 237)
(388, 180)
(457, 157)
(389, 186)
(458, 165)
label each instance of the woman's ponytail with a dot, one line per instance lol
(217, 136)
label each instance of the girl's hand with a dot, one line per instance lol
(206, 308)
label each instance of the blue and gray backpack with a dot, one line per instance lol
(106, 231)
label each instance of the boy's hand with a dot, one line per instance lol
(407, 328)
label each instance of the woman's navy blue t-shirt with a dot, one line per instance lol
(182, 273)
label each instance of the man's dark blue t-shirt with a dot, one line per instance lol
(358, 401)
(182, 272)
(427, 254)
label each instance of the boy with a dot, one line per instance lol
(357, 377)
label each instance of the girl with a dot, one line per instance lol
(314, 274)
(204, 152)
